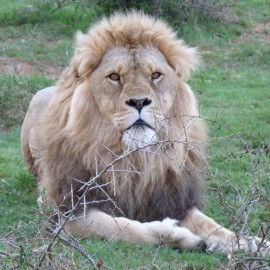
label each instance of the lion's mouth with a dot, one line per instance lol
(139, 135)
(139, 123)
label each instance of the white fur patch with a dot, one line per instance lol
(138, 137)
(171, 222)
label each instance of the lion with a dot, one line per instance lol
(119, 146)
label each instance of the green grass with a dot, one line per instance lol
(62, 21)
(131, 256)
(17, 187)
(16, 91)
(233, 91)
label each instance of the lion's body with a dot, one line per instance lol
(160, 190)
(66, 152)
(121, 133)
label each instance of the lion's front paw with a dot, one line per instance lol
(258, 245)
(218, 246)
(249, 244)
(183, 238)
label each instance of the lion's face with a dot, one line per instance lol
(134, 89)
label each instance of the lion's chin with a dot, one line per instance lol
(139, 137)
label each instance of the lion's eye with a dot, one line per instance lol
(155, 75)
(114, 77)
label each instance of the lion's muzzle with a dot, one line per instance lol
(139, 135)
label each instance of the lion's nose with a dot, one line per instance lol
(138, 103)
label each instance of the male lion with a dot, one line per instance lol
(118, 144)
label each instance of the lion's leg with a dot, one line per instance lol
(215, 236)
(120, 228)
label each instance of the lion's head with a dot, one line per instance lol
(125, 88)
(132, 71)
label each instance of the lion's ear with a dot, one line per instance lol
(183, 59)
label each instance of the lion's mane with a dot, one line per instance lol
(145, 185)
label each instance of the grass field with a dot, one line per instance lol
(233, 89)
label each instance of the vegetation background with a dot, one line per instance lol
(233, 88)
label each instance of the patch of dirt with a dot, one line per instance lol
(262, 27)
(260, 30)
(12, 65)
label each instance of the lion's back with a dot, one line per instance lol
(37, 107)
